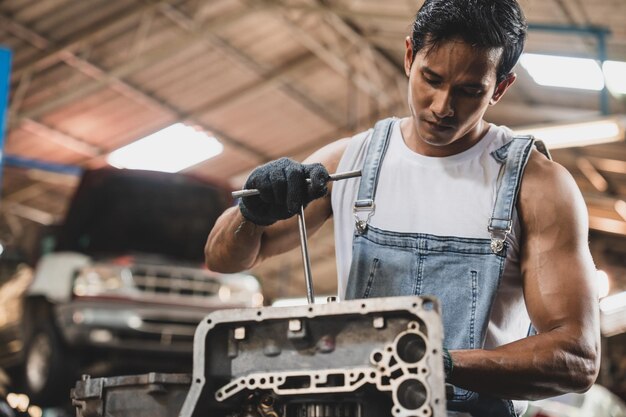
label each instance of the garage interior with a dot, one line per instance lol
(274, 78)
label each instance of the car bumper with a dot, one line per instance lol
(141, 327)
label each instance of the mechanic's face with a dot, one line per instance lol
(450, 87)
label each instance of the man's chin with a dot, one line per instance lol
(436, 140)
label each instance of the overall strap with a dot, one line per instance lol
(513, 156)
(364, 206)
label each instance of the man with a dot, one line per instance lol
(449, 205)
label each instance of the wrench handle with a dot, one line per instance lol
(333, 177)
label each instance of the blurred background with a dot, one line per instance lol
(206, 90)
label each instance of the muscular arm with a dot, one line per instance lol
(235, 244)
(558, 275)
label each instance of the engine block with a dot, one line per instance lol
(362, 358)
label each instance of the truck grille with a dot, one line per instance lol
(176, 282)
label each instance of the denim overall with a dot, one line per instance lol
(464, 273)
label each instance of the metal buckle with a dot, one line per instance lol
(361, 222)
(498, 237)
(497, 245)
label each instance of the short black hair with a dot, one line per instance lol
(480, 23)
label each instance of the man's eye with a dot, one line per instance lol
(432, 81)
(472, 92)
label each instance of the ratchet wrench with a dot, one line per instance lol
(302, 229)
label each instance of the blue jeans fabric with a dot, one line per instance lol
(464, 273)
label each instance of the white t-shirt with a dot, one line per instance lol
(448, 196)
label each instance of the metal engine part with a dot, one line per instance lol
(147, 395)
(362, 358)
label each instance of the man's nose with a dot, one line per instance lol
(442, 105)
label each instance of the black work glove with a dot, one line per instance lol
(283, 189)
(448, 365)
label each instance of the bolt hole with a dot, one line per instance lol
(198, 380)
(362, 305)
(378, 357)
(428, 305)
(262, 381)
(258, 313)
(209, 321)
(251, 381)
(414, 305)
(310, 309)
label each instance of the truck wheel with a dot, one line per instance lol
(48, 370)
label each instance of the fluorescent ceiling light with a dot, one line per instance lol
(615, 76)
(576, 134)
(561, 71)
(169, 150)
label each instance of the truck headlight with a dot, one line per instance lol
(238, 288)
(101, 280)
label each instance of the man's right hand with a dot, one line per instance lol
(282, 190)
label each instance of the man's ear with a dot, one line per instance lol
(502, 87)
(408, 56)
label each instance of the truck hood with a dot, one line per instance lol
(117, 211)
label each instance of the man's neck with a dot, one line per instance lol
(418, 145)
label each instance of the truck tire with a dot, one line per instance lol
(48, 369)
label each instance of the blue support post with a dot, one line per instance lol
(5, 77)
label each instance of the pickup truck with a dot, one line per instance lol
(120, 286)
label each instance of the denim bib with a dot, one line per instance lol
(464, 273)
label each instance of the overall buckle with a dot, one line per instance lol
(498, 236)
(363, 210)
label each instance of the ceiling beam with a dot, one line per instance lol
(592, 175)
(380, 64)
(112, 75)
(271, 81)
(339, 63)
(383, 13)
(267, 74)
(30, 213)
(50, 56)
(23, 194)
(601, 205)
(61, 138)
(603, 224)
(609, 165)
